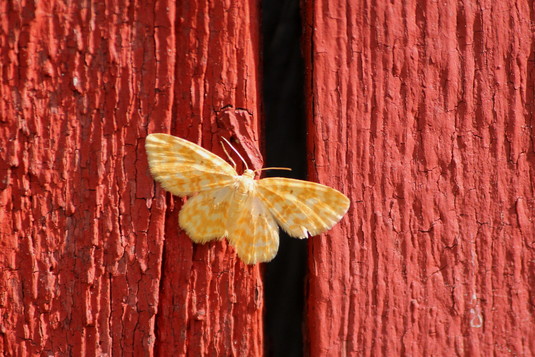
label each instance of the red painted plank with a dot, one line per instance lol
(83, 268)
(422, 112)
(211, 303)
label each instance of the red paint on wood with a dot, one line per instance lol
(422, 112)
(210, 302)
(83, 226)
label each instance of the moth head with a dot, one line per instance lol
(249, 173)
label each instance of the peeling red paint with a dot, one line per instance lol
(91, 259)
(422, 112)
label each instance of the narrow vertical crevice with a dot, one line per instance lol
(283, 89)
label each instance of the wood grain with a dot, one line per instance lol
(91, 258)
(422, 112)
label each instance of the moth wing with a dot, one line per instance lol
(253, 231)
(302, 207)
(204, 217)
(183, 167)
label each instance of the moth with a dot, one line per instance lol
(244, 209)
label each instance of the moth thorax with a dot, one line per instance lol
(249, 174)
(245, 183)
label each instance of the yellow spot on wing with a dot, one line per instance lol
(205, 216)
(302, 207)
(253, 231)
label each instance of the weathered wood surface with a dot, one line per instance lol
(91, 260)
(423, 113)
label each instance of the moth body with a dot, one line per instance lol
(245, 183)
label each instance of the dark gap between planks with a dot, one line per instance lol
(285, 130)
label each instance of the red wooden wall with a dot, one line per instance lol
(421, 111)
(83, 264)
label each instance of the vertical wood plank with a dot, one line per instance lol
(83, 226)
(422, 112)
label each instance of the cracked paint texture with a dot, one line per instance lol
(91, 259)
(423, 113)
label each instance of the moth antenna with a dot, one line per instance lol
(237, 153)
(274, 168)
(225, 150)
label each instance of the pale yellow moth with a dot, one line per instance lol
(244, 210)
